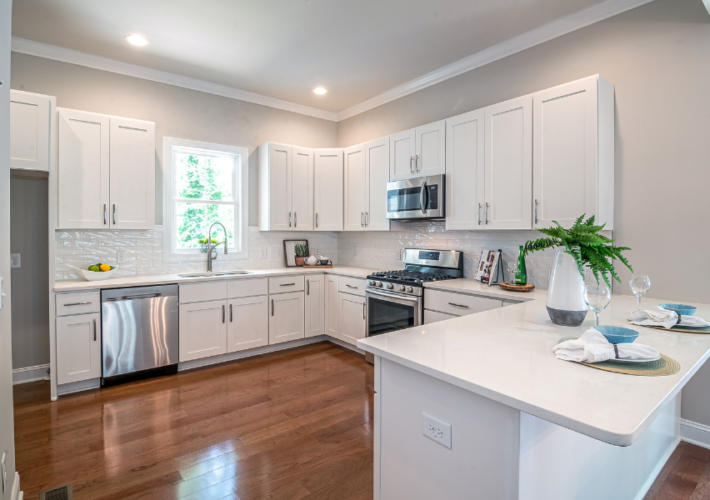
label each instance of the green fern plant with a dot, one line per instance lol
(585, 245)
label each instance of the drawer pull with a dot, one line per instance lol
(287, 284)
(458, 305)
(350, 286)
(77, 304)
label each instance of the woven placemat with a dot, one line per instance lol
(679, 328)
(658, 368)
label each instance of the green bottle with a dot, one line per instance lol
(521, 275)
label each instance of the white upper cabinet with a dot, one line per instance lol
(573, 161)
(83, 170)
(377, 161)
(132, 174)
(302, 189)
(30, 124)
(402, 151)
(465, 171)
(508, 165)
(430, 157)
(355, 188)
(328, 182)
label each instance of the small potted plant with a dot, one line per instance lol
(301, 251)
(204, 245)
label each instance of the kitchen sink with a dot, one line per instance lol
(214, 274)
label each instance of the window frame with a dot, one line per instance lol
(240, 188)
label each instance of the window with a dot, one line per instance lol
(203, 183)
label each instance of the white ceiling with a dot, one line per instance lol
(285, 48)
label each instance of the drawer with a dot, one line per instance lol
(247, 288)
(434, 317)
(457, 303)
(202, 292)
(78, 303)
(356, 286)
(286, 284)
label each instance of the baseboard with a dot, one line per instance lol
(30, 374)
(344, 344)
(16, 493)
(83, 385)
(695, 433)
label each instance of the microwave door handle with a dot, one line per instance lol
(422, 198)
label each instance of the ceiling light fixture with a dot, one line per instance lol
(319, 90)
(137, 40)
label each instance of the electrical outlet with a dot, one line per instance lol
(275, 252)
(436, 429)
(14, 260)
(315, 250)
(119, 256)
(263, 252)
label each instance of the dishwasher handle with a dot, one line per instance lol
(136, 297)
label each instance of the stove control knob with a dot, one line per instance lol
(401, 288)
(410, 289)
(390, 286)
(372, 283)
(378, 284)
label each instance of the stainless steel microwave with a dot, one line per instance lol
(416, 199)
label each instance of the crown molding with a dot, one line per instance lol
(30, 47)
(558, 27)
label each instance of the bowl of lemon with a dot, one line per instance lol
(98, 272)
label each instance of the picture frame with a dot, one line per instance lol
(292, 260)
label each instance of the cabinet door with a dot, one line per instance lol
(355, 188)
(83, 170)
(29, 130)
(315, 305)
(465, 171)
(302, 189)
(279, 182)
(565, 153)
(203, 329)
(132, 160)
(286, 317)
(508, 165)
(78, 348)
(332, 297)
(248, 324)
(377, 159)
(328, 181)
(352, 318)
(430, 156)
(402, 151)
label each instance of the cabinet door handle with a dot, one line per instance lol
(458, 305)
(295, 219)
(224, 317)
(316, 219)
(287, 284)
(411, 167)
(231, 318)
(351, 286)
(416, 163)
(362, 214)
(105, 215)
(536, 211)
(272, 307)
(94, 330)
(479, 214)
(308, 287)
(114, 213)
(289, 219)
(363, 310)
(486, 213)
(367, 216)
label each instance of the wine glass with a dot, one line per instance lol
(597, 297)
(513, 269)
(639, 283)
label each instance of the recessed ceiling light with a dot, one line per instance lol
(319, 90)
(137, 40)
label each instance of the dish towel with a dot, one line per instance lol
(593, 347)
(666, 319)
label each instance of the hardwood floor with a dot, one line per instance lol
(293, 425)
(290, 425)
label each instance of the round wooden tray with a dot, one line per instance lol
(517, 288)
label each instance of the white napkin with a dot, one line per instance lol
(665, 318)
(593, 347)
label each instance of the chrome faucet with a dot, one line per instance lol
(210, 247)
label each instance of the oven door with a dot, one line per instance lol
(420, 198)
(389, 312)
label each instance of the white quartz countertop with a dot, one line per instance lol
(506, 355)
(160, 279)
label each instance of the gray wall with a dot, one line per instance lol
(177, 112)
(30, 283)
(658, 58)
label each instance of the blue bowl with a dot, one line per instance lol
(617, 334)
(681, 309)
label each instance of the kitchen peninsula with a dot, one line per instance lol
(524, 424)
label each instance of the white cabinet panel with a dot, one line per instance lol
(430, 156)
(286, 284)
(77, 303)
(247, 288)
(352, 316)
(402, 152)
(465, 159)
(201, 292)
(458, 304)
(30, 122)
(132, 174)
(355, 286)
(78, 348)
(274, 187)
(508, 165)
(83, 170)
(355, 188)
(248, 325)
(377, 161)
(315, 305)
(332, 306)
(286, 319)
(203, 329)
(328, 180)
(302, 189)
(435, 316)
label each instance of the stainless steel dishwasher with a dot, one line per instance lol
(139, 332)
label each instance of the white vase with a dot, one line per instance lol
(565, 296)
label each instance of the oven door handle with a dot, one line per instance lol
(393, 298)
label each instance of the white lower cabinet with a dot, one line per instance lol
(352, 318)
(434, 316)
(332, 297)
(248, 324)
(315, 304)
(203, 329)
(286, 318)
(78, 348)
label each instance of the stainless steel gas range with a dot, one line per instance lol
(395, 299)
